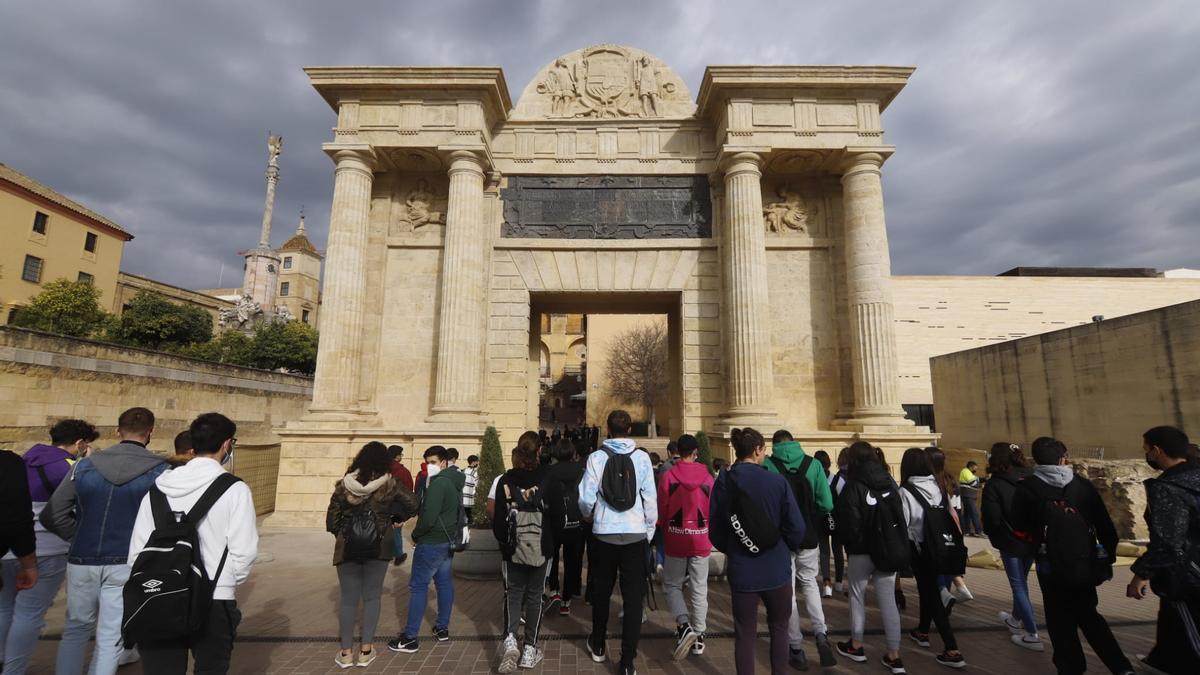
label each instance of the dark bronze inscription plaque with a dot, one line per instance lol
(607, 207)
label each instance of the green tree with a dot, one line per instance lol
(233, 347)
(705, 451)
(64, 307)
(290, 345)
(491, 464)
(153, 322)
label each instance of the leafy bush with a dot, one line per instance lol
(705, 451)
(491, 464)
(153, 322)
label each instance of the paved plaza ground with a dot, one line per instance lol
(290, 625)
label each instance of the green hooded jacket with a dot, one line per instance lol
(439, 508)
(791, 455)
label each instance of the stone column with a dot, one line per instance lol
(335, 387)
(747, 324)
(462, 339)
(869, 294)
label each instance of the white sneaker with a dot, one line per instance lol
(531, 657)
(509, 654)
(826, 592)
(1028, 641)
(963, 593)
(1011, 623)
(129, 656)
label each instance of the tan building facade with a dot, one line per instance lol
(48, 236)
(300, 277)
(129, 285)
(752, 217)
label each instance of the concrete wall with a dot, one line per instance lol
(941, 315)
(1094, 386)
(44, 378)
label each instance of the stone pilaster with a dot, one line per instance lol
(749, 384)
(335, 387)
(462, 338)
(869, 294)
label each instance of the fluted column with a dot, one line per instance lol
(869, 293)
(749, 385)
(335, 388)
(462, 336)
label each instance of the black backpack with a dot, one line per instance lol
(803, 491)
(361, 534)
(943, 551)
(525, 518)
(1068, 542)
(618, 484)
(169, 595)
(572, 516)
(753, 529)
(886, 532)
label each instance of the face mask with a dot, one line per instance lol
(433, 470)
(228, 458)
(1153, 464)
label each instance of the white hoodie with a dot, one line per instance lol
(230, 523)
(914, 513)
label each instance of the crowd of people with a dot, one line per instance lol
(152, 548)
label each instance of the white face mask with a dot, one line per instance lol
(432, 470)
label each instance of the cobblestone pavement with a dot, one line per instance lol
(290, 625)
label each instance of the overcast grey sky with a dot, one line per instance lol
(1033, 133)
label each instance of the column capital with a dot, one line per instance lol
(465, 161)
(743, 163)
(859, 159)
(355, 158)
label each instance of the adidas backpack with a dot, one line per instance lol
(943, 550)
(753, 529)
(169, 594)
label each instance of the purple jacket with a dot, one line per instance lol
(55, 464)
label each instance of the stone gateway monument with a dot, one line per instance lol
(752, 216)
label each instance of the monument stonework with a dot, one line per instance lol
(751, 215)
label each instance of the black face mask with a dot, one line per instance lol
(1153, 464)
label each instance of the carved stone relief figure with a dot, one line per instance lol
(560, 85)
(242, 315)
(792, 213)
(420, 206)
(609, 81)
(647, 86)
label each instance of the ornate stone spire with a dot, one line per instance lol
(274, 147)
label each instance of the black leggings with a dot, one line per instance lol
(932, 609)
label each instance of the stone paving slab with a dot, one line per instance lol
(290, 625)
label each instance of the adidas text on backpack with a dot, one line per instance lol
(618, 483)
(943, 550)
(169, 594)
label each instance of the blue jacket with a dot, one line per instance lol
(638, 520)
(96, 505)
(750, 574)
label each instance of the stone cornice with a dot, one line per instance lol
(718, 81)
(340, 82)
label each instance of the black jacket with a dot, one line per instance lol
(521, 479)
(16, 509)
(1173, 514)
(1027, 511)
(561, 479)
(850, 507)
(997, 512)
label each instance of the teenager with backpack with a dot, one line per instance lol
(756, 523)
(871, 525)
(1007, 467)
(810, 488)
(937, 549)
(1171, 564)
(433, 535)
(617, 495)
(1065, 519)
(561, 492)
(366, 505)
(684, 492)
(525, 543)
(218, 509)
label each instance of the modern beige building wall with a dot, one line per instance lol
(47, 236)
(1095, 386)
(129, 285)
(939, 315)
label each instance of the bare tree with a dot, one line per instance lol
(637, 367)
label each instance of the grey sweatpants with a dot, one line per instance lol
(674, 572)
(860, 570)
(360, 581)
(523, 586)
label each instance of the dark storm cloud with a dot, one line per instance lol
(1032, 133)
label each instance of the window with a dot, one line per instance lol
(283, 288)
(89, 242)
(304, 316)
(32, 270)
(87, 278)
(287, 262)
(39, 222)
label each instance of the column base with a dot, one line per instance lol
(765, 421)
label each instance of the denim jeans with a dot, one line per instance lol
(94, 600)
(429, 562)
(23, 615)
(1017, 570)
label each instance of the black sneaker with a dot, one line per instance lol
(955, 661)
(685, 637)
(847, 650)
(442, 634)
(551, 604)
(698, 645)
(922, 639)
(596, 649)
(627, 669)
(797, 659)
(895, 665)
(825, 652)
(403, 644)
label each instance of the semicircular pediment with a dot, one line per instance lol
(605, 82)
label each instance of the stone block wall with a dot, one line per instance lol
(1120, 483)
(44, 378)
